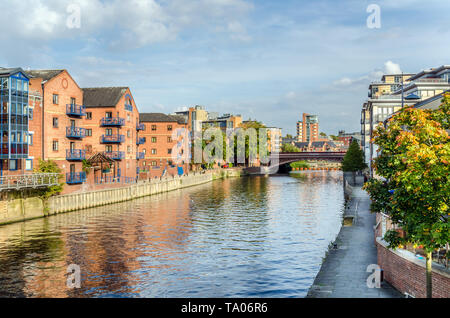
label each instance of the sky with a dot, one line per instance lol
(266, 60)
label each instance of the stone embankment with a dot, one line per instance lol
(21, 209)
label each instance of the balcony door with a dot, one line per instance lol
(72, 169)
(72, 123)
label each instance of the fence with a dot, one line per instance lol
(36, 180)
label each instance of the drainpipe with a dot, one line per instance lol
(42, 123)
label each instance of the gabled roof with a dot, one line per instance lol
(99, 157)
(102, 96)
(44, 74)
(160, 118)
(6, 72)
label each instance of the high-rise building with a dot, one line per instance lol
(308, 128)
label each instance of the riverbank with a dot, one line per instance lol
(343, 273)
(18, 210)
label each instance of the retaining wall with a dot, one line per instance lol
(29, 208)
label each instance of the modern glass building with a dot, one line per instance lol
(14, 85)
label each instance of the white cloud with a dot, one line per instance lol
(392, 68)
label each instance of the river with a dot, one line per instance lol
(243, 237)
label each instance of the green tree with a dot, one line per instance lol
(414, 161)
(322, 134)
(354, 159)
(289, 136)
(49, 166)
(289, 148)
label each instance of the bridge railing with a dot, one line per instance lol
(36, 180)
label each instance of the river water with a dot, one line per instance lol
(243, 237)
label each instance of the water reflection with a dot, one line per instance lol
(248, 237)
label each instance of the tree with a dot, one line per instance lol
(289, 136)
(354, 159)
(414, 160)
(289, 148)
(333, 137)
(322, 134)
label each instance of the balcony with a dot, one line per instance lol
(140, 127)
(112, 122)
(140, 155)
(75, 177)
(75, 155)
(75, 110)
(115, 155)
(140, 140)
(75, 132)
(112, 139)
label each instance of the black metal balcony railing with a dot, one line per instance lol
(75, 154)
(112, 121)
(115, 155)
(75, 132)
(112, 139)
(35, 180)
(75, 110)
(140, 140)
(140, 155)
(140, 127)
(75, 177)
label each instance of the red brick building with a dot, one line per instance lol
(56, 123)
(112, 128)
(159, 143)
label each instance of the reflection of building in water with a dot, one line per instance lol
(108, 243)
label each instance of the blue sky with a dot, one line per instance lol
(266, 60)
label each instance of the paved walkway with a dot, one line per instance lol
(343, 273)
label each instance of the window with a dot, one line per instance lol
(153, 127)
(109, 148)
(55, 122)
(29, 164)
(128, 118)
(55, 145)
(153, 151)
(73, 101)
(153, 139)
(154, 163)
(108, 114)
(109, 132)
(144, 151)
(30, 113)
(129, 149)
(30, 139)
(89, 115)
(169, 151)
(169, 139)
(13, 164)
(88, 132)
(128, 133)
(55, 99)
(169, 127)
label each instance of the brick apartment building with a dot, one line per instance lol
(112, 128)
(56, 123)
(156, 152)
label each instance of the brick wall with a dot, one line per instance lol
(408, 276)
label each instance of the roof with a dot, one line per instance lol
(102, 96)
(99, 157)
(44, 74)
(160, 118)
(10, 71)
(429, 71)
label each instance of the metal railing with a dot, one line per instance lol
(116, 155)
(35, 180)
(75, 154)
(113, 138)
(75, 132)
(140, 155)
(75, 177)
(75, 110)
(112, 121)
(140, 126)
(140, 140)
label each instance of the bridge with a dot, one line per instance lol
(282, 158)
(35, 180)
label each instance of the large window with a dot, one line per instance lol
(55, 99)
